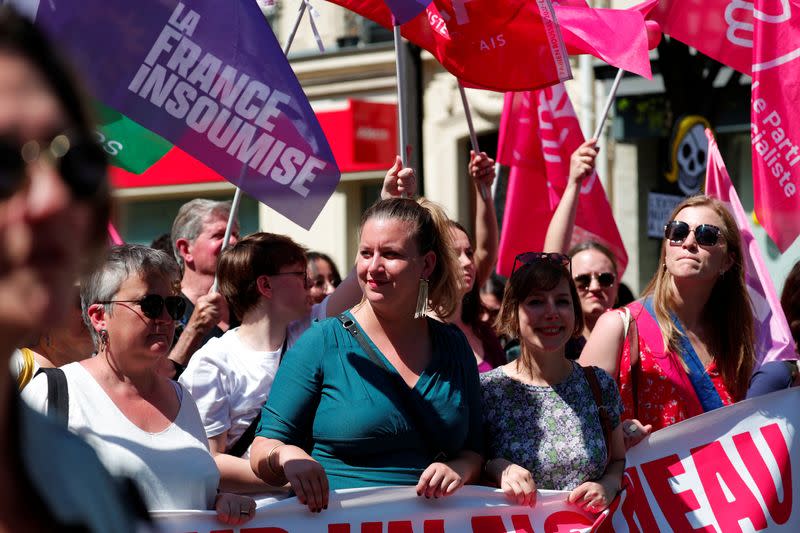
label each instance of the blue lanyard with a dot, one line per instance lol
(698, 377)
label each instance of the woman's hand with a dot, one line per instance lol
(234, 509)
(592, 496)
(399, 181)
(634, 431)
(437, 480)
(306, 476)
(518, 485)
(481, 168)
(581, 164)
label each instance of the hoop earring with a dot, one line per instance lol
(422, 299)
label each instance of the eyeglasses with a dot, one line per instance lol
(604, 279)
(81, 163)
(676, 232)
(529, 258)
(152, 305)
(301, 273)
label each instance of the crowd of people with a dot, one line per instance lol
(163, 392)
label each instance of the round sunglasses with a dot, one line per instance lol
(530, 258)
(604, 279)
(676, 232)
(153, 305)
(80, 162)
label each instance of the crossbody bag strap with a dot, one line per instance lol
(57, 395)
(402, 389)
(246, 439)
(602, 410)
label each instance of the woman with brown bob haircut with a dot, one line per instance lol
(690, 345)
(570, 437)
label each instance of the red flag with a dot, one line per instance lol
(536, 184)
(617, 36)
(721, 29)
(773, 118)
(504, 45)
(773, 337)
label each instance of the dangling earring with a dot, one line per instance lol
(103, 339)
(422, 299)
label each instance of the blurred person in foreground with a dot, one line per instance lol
(54, 208)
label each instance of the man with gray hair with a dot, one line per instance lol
(197, 236)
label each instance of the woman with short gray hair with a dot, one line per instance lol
(141, 424)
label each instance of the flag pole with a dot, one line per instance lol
(237, 196)
(473, 137)
(290, 39)
(400, 65)
(599, 129)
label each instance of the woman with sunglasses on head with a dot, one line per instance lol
(477, 258)
(695, 347)
(594, 267)
(382, 394)
(570, 437)
(141, 424)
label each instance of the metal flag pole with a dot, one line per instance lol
(473, 137)
(237, 196)
(607, 107)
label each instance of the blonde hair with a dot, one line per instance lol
(729, 304)
(430, 230)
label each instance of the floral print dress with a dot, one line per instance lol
(554, 432)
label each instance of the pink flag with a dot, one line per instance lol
(617, 36)
(773, 338)
(722, 29)
(547, 133)
(773, 119)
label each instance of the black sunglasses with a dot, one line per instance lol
(81, 163)
(152, 305)
(676, 232)
(530, 258)
(604, 279)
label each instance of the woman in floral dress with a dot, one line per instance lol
(549, 422)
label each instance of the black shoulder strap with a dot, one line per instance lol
(57, 395)
(597, 394)
(402, 389)
(244, 442)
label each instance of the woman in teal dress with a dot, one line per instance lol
(383, 394)
(549, 422)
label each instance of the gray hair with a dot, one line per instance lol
(123, 262)
(190, 219)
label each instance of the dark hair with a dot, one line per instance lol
(20, 37)
(164, 243)
(313, 256)
(429, 230)
(790, 302)
(594, 245)
(256, 255)
(538, 276)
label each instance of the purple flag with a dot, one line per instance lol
(773, 338)
(405, 10)
(211, 78)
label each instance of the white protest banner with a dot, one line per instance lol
(724, 471)
(397, 510)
